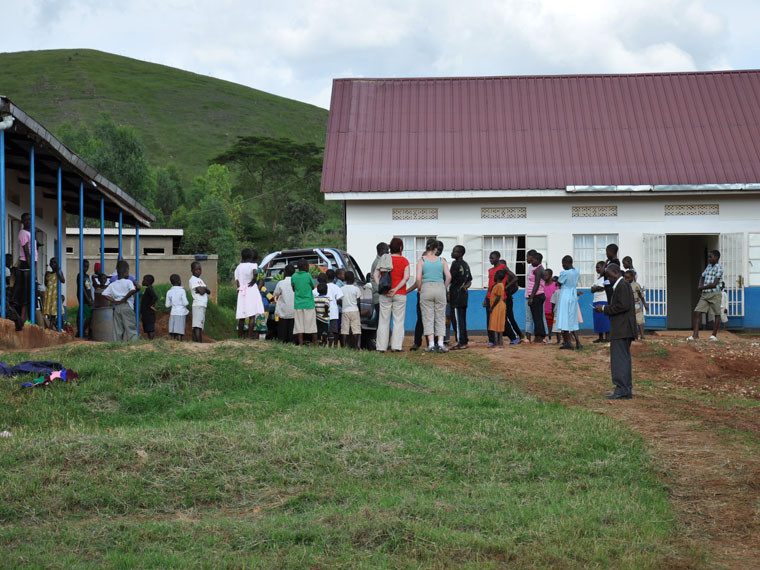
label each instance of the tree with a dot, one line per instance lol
(277, 171)
(167, 190)
(116, 152)
(302, 216)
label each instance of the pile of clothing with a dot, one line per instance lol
(47, 370)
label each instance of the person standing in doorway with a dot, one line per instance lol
(622, 314)
(461, 280)
(710, 295)
(25, 281)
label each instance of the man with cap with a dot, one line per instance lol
(622, 313)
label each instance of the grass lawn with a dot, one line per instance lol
(258, 454)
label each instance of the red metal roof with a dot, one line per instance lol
(501, 133)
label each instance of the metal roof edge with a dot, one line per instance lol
(558, 76)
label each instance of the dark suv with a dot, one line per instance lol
(326, 258)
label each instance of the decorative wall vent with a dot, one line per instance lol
(692, 209)
(415, 213)
(503, 213)
(595, 211)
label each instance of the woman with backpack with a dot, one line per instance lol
(392, 301)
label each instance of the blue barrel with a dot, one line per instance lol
(102, 324)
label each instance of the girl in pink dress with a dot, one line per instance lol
(249, 302)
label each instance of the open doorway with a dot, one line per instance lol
(686, 259)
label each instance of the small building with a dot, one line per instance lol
(665, 165)
(159, 255)
(40, 176)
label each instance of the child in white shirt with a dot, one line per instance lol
(351, 317)
(200, 294)
(121, 292)
(176, 299)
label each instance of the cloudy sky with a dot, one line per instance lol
(295, 48)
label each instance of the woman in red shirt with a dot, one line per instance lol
(393, 303)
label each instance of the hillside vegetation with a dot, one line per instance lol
(181, 117)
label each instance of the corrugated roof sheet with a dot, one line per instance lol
(501, 133)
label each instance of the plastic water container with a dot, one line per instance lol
(102, 324)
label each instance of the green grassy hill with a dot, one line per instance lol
(182, 117)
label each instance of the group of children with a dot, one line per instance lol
(122, 290)
(328, 312)
(552, 305)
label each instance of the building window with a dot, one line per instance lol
(154, 251)
(512, 250)
(595, 211)
(503, 213)
(754, 259)
(692, 209)
(414, 248)
(587, 250)
(111, 250)
(69, 250)
(415, 213)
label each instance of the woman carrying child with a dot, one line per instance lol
(567, 311)
(249, 302)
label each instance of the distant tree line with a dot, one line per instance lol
(261, 192)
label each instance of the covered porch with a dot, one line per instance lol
(41, 177)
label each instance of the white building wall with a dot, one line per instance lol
(370, 221)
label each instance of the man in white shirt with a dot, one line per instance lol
(176, 300)
(200, 294)
(121, 293)
(285, 310)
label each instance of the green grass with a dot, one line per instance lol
(181, 117)
(263, 455)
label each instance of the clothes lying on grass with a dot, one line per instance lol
(30, 367)
(48, 369)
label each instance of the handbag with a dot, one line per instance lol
(384, 285)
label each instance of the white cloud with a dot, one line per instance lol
(294, 48)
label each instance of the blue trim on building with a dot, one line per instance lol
(476, 314)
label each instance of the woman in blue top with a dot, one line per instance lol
(433, 278)
(567, 310)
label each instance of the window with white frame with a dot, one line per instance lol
(512, 249)
(414, 248)
(587, 250)
(754, 259)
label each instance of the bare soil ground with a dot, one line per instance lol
(696, 404)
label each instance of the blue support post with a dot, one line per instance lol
(103, 235)
(137, 277)
(121, 218)
(2, 223)
(81, 259)
(33, 248)
(59, 249)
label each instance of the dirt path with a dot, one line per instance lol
(706, 447)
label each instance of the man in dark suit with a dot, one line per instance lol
(622, 313)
